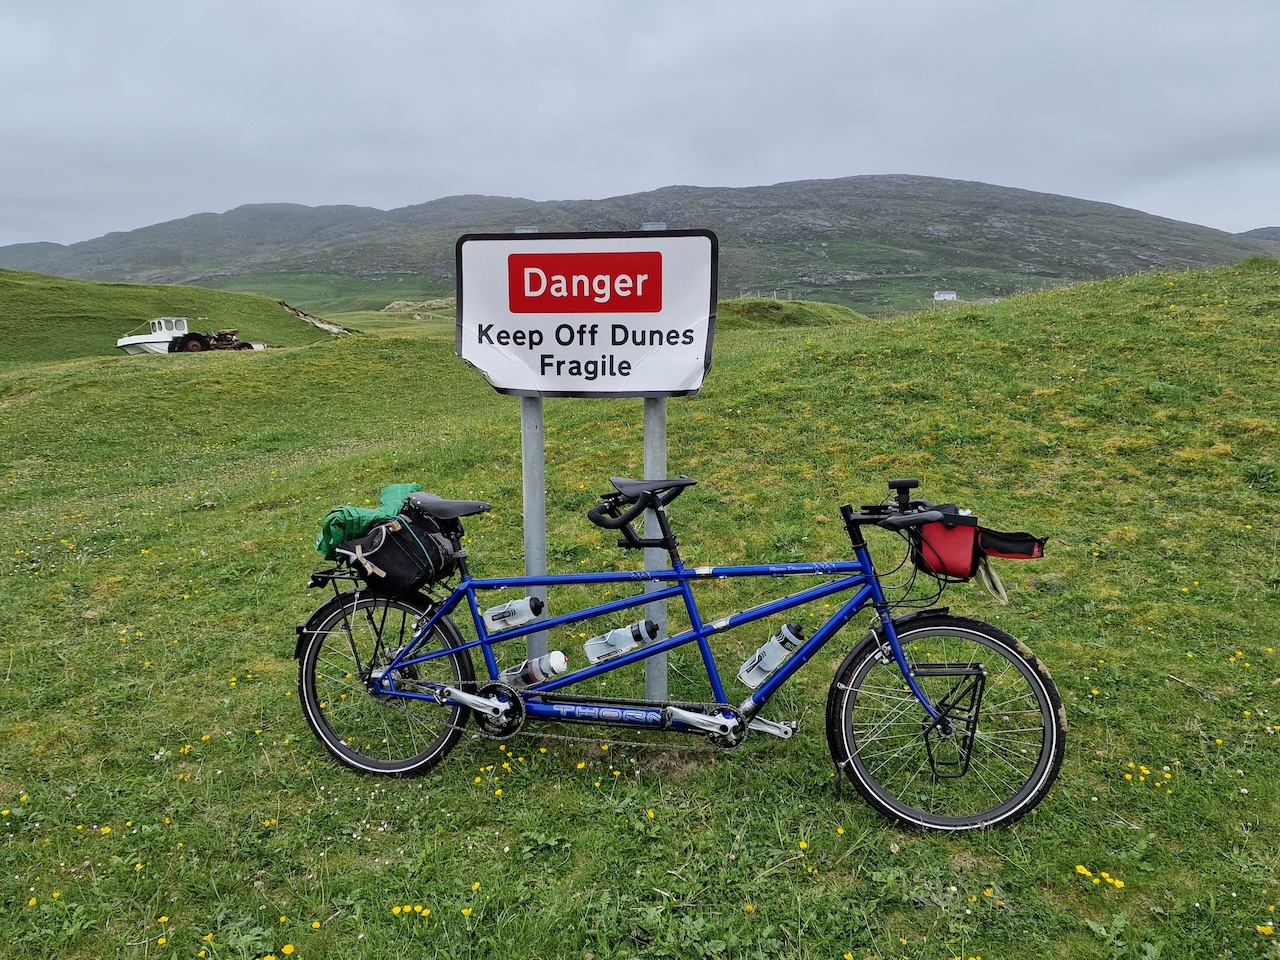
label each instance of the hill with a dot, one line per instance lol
(759, 313)
(873, 243)
(159, 780)
(45, 318)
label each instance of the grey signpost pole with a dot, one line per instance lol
(655, 558)
(533, 452)
(655, 468)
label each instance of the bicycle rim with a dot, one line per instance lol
(373, 732)
(993, 761)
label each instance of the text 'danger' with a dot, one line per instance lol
(600, 282)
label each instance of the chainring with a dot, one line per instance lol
(501, 728)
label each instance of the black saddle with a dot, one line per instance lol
(442, 509)
(632, 490)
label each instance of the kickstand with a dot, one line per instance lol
(839, 779)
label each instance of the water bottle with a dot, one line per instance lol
(619, 641)
(765, 660)
(514, 613)
(536, 670)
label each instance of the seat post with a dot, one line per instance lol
(669, 542)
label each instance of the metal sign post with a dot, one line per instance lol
(655, 468)
(588, 315)
(533, 455)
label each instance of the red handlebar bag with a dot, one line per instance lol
(952, 548)
(946, 548)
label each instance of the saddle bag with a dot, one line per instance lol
(404, 554)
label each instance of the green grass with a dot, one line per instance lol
(158, 779)
(758, 313)
(379, 323)
(329, 293)
(46, 318)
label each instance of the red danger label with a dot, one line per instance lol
(628, 282)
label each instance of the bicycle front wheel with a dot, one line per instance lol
(345, 647)
(992, 757)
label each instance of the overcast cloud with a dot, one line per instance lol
(114, 116)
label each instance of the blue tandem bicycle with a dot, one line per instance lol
(939, 721)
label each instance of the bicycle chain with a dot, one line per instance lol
(612, 741)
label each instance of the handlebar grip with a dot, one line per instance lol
(601, 518)
(904, 520)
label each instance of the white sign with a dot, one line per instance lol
(588, 314)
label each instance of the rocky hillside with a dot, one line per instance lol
(873, 243)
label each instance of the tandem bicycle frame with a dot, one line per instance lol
(857, 575)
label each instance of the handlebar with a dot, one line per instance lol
(881, 516)
(900, 513)
(602, 513)
(903, 520)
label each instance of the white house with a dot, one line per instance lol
(944, 295)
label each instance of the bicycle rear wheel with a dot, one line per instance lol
(993, 759)
(346, 643)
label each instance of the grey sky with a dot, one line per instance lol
(116, 115)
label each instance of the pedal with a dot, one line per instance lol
(723, 726)
(784, 730)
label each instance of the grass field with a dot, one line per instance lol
(161, 796)
(328, 293)
(51, 318)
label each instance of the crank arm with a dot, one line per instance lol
(784, 730)
(723, 726)
(488, 706)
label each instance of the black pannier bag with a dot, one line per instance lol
(402, 555)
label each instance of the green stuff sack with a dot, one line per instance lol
(349, 523)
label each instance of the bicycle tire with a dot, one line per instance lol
(1007, 741)
(343, 642)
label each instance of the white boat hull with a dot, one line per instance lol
(143, 344)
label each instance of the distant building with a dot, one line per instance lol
(944, 295)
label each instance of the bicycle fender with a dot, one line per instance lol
(915, 615)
